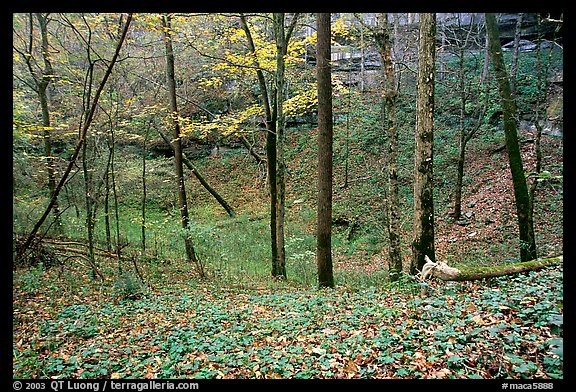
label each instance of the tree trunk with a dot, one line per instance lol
(486, 67)
(542, 70)
(270, 118)
(523, 207)
(515, 54)
(423, 242)
(444, 272)
(143, 202)
(177, 144)
(115, 197)
(465, 137)
(324, 218)
(462, 140)
(279, 266)
(90, 208)
(42, 89)
(25, 246)
(391, 94)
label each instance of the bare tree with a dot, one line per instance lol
(458, 40)
(23, 249)
(384, 42)
(41, 80)
(177, 143)
(423, 242)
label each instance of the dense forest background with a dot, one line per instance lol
(146, 223)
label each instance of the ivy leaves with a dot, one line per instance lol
(508, 328)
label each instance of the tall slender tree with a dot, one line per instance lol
(41, 82)
(464, 90)
(521, 194)
(423, 242)
(324, 224)
(275, 123)
(279, 265)
(270, 122)
(177, 143)
(384, 42)
(282, 36)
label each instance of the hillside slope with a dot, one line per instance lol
(485, 235)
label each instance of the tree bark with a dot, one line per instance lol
(444, 272)
(391, 128)
(523, 207)
(325, 152)
(423, 230)
(177, 145)
(279, 266)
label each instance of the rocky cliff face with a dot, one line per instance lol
(529, 29)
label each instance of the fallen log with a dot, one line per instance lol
(443, 271)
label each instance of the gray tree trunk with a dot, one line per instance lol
(390, 97)
(423, 230)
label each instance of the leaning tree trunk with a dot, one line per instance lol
(523, 207)
(23, 249)
(443, 271)
(423, 240)
(201, 178)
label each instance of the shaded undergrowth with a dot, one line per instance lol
(509, 327)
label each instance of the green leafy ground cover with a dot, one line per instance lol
(509, 327)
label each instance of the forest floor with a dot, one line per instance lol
(509, 327)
